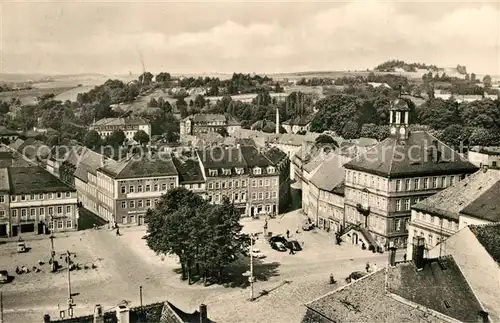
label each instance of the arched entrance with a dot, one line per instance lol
(252, 211)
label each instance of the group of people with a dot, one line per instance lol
(26, 270)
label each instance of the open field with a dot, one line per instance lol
(29, 96)
(125, 263)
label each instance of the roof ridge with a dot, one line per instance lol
(392, 158)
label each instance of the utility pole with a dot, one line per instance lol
(52, 251)
(251, 278)
(1, 307)
(140, 295)
(70, 296)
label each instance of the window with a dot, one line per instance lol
(164, 187)
(416, 183)
(23, 212)
(236, 183)
(223, 184)
(243, 183)
(268, 182)
(13, 198)
(69, 224)
(243, 196)
(434, 182)
(148, 203)
(32, 197)
(407, 184)
(236, 196)
(260, 196)
(426, 183)
(217, 185)
(354, 177)
(210, 186)
(140, 203)
(275, 182)
(270, 170)
(131, 189)
(443, 181)
(14, 213)
(59, 195)
(494, 164)
(42, 211)
(239, 171)
(254, 196)
(40, 196)
(51, 210)
(257, 171)
(51, 225)
(123, 189)
(68, 194)
(267, 195)
(172, 185)
(254, 183)
(398, 205)
(155, 201)
(431, 240)
(2, 213)
(132, 204)
(59, 224)
(23, 197)
(452, 180)
(212, 172)
(139, 188)
(397, 225)
(124, 204)
(148, 188)
(155, 188)
(226, 172)
(398, 185)
(2, 199)
(210, 199)
(230, 184)
(407, 204)
(59, 210)
(32, 212)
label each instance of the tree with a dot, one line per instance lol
(153, 103)
(164, 105)
(223, 132)
(163, 77)
(326, 140)
(116, 138)
(203, 236)
(92, 139)
(181, 106)
(487, 81)
(146, 78)
(351, 130)
(141, 137)
(199, 101)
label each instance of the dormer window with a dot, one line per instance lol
(213, 172)
(226, 171)
(270, 170)
(239, 171)
(257, 171)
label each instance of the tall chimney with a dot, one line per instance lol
(418, 252)
(203, 314)
(277, 121)
(98, 314)
(46, 318)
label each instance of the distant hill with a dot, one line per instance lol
(402, 66)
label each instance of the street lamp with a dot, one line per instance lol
(251, 278)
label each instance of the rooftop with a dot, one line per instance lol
(274, 154)
(222, 157)
(202, 117)
(453, 200)
(401, 294)
(254, 158)
(139, 166)
(486, 206)
(330, 174)
(33, 180)
(416, 156)
(7, 132)
(188, 167)
(129, 121)
(300, 120)
(489, 236)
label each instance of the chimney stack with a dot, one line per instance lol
(418, 252)
(46, 318)
(98, 314)
(203, 314)
(122, 314)
(483, 317)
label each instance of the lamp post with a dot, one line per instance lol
(251, 278)
(52, 251)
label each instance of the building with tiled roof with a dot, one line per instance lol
(473, 200)
(129, 125)
(205, 123)
(436, 291)
(476, 250)
(298, 123)
(132, 186)
(8, 135)
(383, 183)
(190, 169)
(33, 201)
(326, 194)
(162, 312)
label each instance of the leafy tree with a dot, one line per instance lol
(199, 101)
(146, 78)
(223, 132)
(116, 138)
(326, 140)
(141, 137)
(153, 103)
(164, 105)
(487, 81)
(92, 139)
(351, 130)
(181, 106)
(172, 136)
(483, 137)
(163, 77)
(203, 236)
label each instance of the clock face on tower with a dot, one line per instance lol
(393, 130)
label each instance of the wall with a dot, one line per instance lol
(480, 159)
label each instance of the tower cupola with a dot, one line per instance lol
(399, 115)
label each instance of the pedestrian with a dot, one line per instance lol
(292, 252)
(288, 234)
(404, 257)
(117, 230)
(367, 267)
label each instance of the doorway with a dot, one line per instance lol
(355, 238)
(14, 230)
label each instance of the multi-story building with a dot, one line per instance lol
(489, 156)
(129, 126)
(226, 175)
(205, 123)
(264, 182)
(129, 188)
(299, 123)
(473, 200)
(384, 182)
(190, 169)
(8, 135)
(282, 163)
(33, 201)
(326, 194)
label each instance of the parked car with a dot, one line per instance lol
(256, 253)
(4, 276)
(21, 247)
(278, 238)
(278, 245)
(294, 245)
(355, 275)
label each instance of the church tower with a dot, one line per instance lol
(399, 119)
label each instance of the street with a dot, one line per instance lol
(124, 263)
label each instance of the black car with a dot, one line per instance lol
(278, 238)
(294, 245)
(278, 245)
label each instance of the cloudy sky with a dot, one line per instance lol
(226, 36)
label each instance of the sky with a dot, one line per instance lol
(112, 37)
